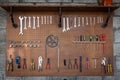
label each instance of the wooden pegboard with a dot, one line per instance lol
(69, 45)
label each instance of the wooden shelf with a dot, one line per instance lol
(89, 42)
(49, 7)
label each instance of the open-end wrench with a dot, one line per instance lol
(38, 21)
(78, 21)
(34, 19)
(86, 21)
(29, 22)
(25, 27)
(83, 21)
(75, 22)
(41, 19)
(21, 31)
(50, 19)
(64, 28)
(94, 20)
(68, 28)
(45, 20)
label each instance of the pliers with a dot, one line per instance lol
(48, 64)
(32, 65)
(75, 64)
(87, 64)
(103, 65)
(40, 60)
(69, 64)
(109, 65)
(24, 64)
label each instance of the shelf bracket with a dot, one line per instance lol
(107, 19)
(12, 18)
(60, 18)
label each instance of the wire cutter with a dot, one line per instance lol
(10, 64)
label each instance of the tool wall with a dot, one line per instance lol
(38, 47)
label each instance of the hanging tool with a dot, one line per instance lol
(78, 21)
(51, 20)
(40, 62)
(75, 22)
(67, 21)
(75, 64)
(48, 64)
(24, 64)
(18, 61)
(25, 27)
(87, 21)
(95, 62)
(103, 65)
(38, 21)
(21, 26)
(80, 63)
(87, 63)
(29, 22)
(58, 57)
(83, 22)
(34, 24)
(109, 65)
(65, 64)
(64, 25)
(10, 64)
(32, 65)
(69, 63)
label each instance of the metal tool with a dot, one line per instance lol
(87, 64)
(87, 21)
(51, 22)
(29, 22)
(68, 26)
(24, 64)
(18, 62)
(80, 63)
(69, 63)
(25, 27)
(34, 24)
(65, 64)
(58, 57)
(75, 22)
(75, 64)
(38, 21)
(41, 19)
(40, 62)
(83, 22)
(48, 20)
(64, 27)
(10, 64)
(103, 65)
(95, 62)
(48, 64)
(32, 65)
(21, 26)
(45, 20)
(78, 21)
(109, 66)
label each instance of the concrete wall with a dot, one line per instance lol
(116, 29)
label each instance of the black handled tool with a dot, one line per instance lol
(80, 64)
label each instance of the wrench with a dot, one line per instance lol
(21, 31)
(29, 22)
(38, 20)
(41, 19)
(64, 25)
(25, 27)
(78, 21)
(34, 26)
(83, 21)
(45, 20)
(68, 28)
(75, 22)
(87, 21)
(50, 19)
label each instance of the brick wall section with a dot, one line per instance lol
(116, 42)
